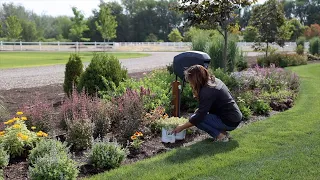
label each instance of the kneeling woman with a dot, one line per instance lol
(217, 112)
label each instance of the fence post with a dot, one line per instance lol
(20, 46)
(77, 46)
(95, 44)
(1, 45)
(40, 45)
(58, 45)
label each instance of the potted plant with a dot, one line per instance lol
(167, 125)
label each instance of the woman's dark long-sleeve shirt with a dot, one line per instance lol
(217, 100)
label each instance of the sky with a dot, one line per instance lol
(61, 7)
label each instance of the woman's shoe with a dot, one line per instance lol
(222, 139)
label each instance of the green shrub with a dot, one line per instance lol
(106, 155)
(1, 175)
(199, 42)
(226, 78)
(214, 49)
(250, 34)
(157, 84)
(301, 41)
(103, 74)
(53, 166)
(242, 62)
(260, 107)
(44, 147)
(4, 114)
(4, 157)
(314, 47)
(80, 134)
(300, 49)
(244, 108)
(74, 69)
(282, 60)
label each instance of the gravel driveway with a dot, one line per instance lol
(46, 75)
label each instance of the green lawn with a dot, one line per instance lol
(28, 59)
(284, 146)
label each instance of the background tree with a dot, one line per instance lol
(151, 38)
(1, 30)
(14, 28)
(29, 31)
(78, 26)
(297, 29)
(213, 14)
(175, 36)
(250, 34)
(284, 33)
(268, 18)
(106, 24)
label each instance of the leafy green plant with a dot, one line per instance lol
(103, 73)
(53, 166)
(136, 140)
(44, 147)
(17, 139)
(107, 155)
(168, 123)
(314, 47)
(300, 49)
(242, 63)
(80, 134)
(282, 60)
(4, 157)
(244, 108)
(260, 107)
(74, 69)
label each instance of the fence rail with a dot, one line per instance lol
(120, 46)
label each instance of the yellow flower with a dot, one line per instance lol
(24, 118)
(22, 136)
(9, 121)
(16, 119)
(136, 134)
(33, 128)
(2, 133)
(25, 137)
(42, 134)
(140, 134)
(19, 113)
(133, 137)
(16, 126)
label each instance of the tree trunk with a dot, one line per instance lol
(224, 61)
(267, 49)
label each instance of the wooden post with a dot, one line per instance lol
(176, 98)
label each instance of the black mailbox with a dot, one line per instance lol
(184, 60)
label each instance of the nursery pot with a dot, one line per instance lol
(181, 135)
(167, 136)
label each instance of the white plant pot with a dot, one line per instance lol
(181, 135)
(167, 136)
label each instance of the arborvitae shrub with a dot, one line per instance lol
(74, 69)
(103, 74)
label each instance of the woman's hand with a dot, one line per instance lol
(178, 129)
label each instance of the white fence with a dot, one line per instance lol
(119, 46)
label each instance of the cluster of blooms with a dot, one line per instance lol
(136, 140)
(16, 121)
(258, 76)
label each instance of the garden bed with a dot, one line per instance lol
(257, 92)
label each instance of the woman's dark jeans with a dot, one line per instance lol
(213, 125)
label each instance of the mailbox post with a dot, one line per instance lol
(182, 62)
